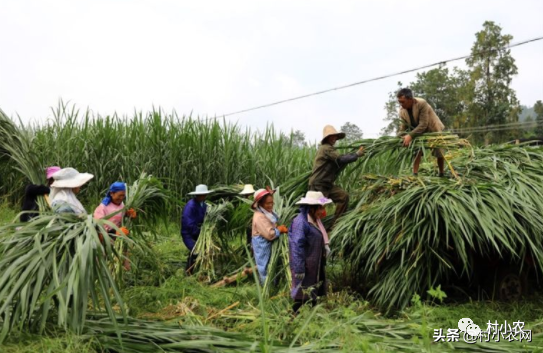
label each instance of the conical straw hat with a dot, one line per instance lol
(329, 130)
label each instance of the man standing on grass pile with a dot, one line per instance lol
(327, 166)
(418, 117)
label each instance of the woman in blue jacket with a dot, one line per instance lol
(191, 221)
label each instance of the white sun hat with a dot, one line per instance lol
(314, 198)
(70, 178)
(201, 190)
(329, 130)
(248, 189)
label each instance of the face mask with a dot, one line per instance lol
(323, 213)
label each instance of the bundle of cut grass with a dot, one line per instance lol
(54, 268)
(392, 149)
(417, 232)
(148, 198)
(207, 246)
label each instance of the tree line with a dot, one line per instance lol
(474, 100)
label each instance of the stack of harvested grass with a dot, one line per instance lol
(417, 232)
(391, 148)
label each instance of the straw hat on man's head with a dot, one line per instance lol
(201, 190)
(314, 198)
(70, 178)
(248, 189)
(329, 130)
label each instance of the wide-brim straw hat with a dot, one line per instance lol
(70, 178)
(329, 130)
(248, 189)
(314, 198)
(259, 194)
(201, 190)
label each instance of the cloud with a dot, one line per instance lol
(216, 57)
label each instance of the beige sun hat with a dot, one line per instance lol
(329, 130)
(314, 198)
(70, 178)
(201, 190)
(248, 189)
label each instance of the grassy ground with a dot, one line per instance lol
(343, 321)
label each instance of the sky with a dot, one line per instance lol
(209, 58)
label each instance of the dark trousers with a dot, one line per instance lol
(191, 260)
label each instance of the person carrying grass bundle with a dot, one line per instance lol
(67, 184)
(192, 220)
(265, 230)
(33, 191)
(327, 166)
(418, 117)
(112, 204)
(308, 248)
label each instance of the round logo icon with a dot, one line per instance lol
(463, 323)
(473, 330)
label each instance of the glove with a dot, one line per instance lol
(327, 249)
(282, 229)
(299, 276)
(124, 230)
(131, 213)
(360, 151)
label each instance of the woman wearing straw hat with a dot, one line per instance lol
(67, 184)
(308, 247)
(192, 220)
(30, 205)
(265, 230)
(327, 166)
(247, 191)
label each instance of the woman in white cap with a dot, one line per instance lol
(308, 248)
(192, 220)
(327, 166)
(67, 184)
(265, 230)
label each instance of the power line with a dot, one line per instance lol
(378, 78)
(508, 126)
